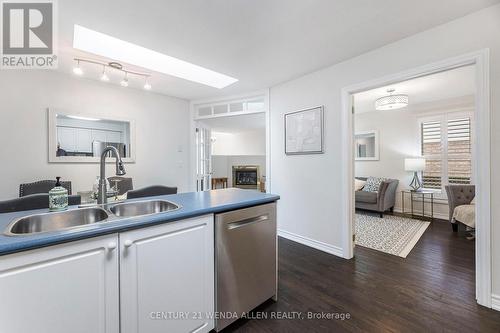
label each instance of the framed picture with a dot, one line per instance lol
(366, 144)
(304, 132)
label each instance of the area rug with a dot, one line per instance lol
(391, 234)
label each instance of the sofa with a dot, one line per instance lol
(380, 201)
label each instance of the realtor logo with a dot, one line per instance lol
(28, 35)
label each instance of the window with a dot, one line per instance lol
(446, 146)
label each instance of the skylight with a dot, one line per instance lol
(107, 46)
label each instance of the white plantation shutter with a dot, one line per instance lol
(447, 148)
(459, 151)
(432, 148)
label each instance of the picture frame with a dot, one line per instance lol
(304, 131)
(366, 144)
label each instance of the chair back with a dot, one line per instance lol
(124, 184)
(151, 191)
(33, 201)
(42, 186)
(459, 195)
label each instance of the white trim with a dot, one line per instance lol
(495, 302)
(242, 98)
(52, 138)
(268, 140)
(335, 250)
(481, 166)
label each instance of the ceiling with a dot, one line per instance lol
(237, 124)
(260, 42)
(450, 86)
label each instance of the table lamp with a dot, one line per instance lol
(415, 165)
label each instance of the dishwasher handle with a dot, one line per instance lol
(252, 220)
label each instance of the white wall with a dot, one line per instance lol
(162, 126)
(239, 143)
(310, 203)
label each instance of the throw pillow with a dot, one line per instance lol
(359, 184)
(373, 184)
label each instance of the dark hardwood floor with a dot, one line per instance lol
(432, 290)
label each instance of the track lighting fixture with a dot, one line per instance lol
(104, 76)
(77, 70)
(124, 82)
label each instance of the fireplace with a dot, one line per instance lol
(246, 176)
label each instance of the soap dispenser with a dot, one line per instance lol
(58, 197)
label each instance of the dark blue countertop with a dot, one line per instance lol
(193, 204)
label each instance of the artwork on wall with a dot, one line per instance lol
(304, 132)
(366, 145)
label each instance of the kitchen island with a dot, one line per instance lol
(150, 273)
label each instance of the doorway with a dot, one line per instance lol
(232, 152)
(481, 166)
(231, 143)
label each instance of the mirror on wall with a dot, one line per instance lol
(76, 137)
(366, 145)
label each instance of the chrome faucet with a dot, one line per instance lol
(102, 197)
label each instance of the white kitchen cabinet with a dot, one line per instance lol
(115, 137)
(71, 287)
(83, 140)
(98, 135)
(66, 138)
(167, 277)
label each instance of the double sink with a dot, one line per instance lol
(47, 222)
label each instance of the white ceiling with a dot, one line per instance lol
(237, 124)
(260, 42)
(452, 86)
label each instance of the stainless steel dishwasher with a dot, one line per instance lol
(245, 257)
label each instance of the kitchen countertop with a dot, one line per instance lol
(192, 204)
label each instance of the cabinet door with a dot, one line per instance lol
(83, 140)
(65, 288)
(167, 277)
(66, 137)
(115, 137)
(98, 135)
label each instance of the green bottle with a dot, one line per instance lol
(58, 197)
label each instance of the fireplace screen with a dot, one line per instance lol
(245, 176)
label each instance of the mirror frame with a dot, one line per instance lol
(52, 138)
(376, 157)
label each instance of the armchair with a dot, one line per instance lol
(458, 195)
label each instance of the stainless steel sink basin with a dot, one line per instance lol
(56, 221)
(138, 208)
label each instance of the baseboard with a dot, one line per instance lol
(495, 302)
(335, 250)
(436, 215)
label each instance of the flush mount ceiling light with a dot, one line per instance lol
(113, 66)
(391, 102)
(107, 46)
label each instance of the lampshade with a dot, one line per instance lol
(415, 164)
